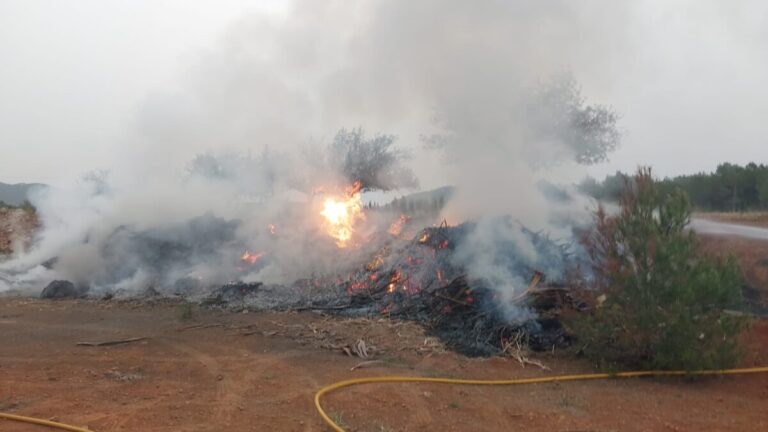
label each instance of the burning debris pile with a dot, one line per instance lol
(273, 217)
(476, 299)
(313, 244)
(422, 280)
(477, 286)
(420, 276)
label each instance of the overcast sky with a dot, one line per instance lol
(689, 78)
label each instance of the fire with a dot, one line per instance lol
(393, 281)
(375, 263)
(251, 258)
(397, 227)
(341, 215)
(272, 229)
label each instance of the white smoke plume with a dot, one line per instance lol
(478, 94)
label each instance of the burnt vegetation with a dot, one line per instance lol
(421, 281)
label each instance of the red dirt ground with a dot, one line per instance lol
(752, 256)
(259, 371)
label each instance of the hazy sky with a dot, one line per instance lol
(689, 77)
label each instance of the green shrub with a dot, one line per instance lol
(186, 312)
(657, 304)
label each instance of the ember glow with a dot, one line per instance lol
(393, 281)
(342, 214)
(251, 258)
(375, 263)
(397, 227)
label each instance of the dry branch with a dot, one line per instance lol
(199, 327)
(112, 342)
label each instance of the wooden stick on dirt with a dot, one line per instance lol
(367, 364)
(113, 342)
(199, 327)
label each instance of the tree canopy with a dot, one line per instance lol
(559, 113)
(375, 162)
(730, 187)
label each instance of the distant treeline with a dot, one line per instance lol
(427, 203)
(730, 188)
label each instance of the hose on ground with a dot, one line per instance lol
(403, 379)
(41, 422)
(562, 378)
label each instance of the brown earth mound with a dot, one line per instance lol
(16, 228)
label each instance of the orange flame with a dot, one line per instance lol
(375, 263)
(393, 281)
(341, 215)
(397, 227)
(251, 258)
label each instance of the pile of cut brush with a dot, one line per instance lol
(425, 280)
(421, 281)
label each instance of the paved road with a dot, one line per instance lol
(705, 226)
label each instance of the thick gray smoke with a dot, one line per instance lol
(479, 95)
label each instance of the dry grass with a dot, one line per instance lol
(752, 256)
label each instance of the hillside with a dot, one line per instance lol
(15, 194)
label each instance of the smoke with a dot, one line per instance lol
(480, 95)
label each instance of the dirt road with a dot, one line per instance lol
(256, 372)
(711, 227)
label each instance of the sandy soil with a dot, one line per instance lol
(252, 372)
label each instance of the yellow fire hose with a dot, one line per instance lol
(403, 379)
(41, 422)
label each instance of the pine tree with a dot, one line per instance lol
(663, 304)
